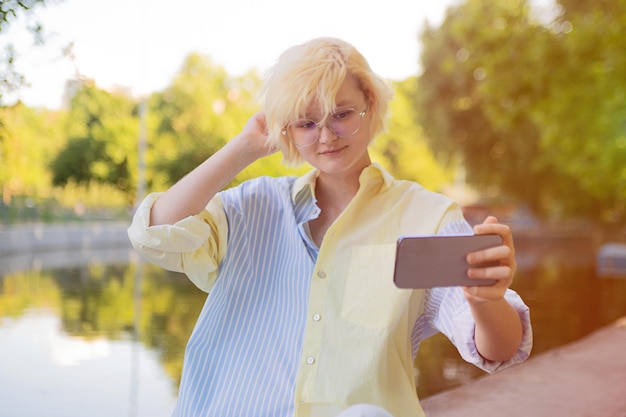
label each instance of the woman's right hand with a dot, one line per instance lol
(253, 138)
(193, 192)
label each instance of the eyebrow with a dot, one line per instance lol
(344, 104)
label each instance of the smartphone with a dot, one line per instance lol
(439, 261)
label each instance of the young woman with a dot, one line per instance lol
(302, 316)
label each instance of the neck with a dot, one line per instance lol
(336, 191)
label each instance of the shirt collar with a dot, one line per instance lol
(370, 174)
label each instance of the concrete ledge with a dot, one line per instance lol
(586, 378)
(43, 237)
(41, 246)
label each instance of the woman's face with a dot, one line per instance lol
(337, 155)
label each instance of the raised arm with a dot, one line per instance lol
(193, 192)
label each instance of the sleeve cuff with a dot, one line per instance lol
(186, 235)
(463, 337)
(193, 245)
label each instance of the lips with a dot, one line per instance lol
(332, 151)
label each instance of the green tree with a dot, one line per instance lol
(202, 109)
(194, 117)
(9, 9)
(10, 78)
(583, 111)
(403, 148)
(28, 138)
(102, 130)
(534, 110)
(479, 81)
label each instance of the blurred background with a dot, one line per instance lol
(511, 107)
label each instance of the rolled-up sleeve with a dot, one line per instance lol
(455, 320)
(194, 245)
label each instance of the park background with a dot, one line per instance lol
(513, 109)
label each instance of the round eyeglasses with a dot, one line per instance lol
(342, 123)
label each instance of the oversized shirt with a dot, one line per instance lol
(290, 329)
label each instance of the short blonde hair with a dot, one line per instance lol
(312, 73)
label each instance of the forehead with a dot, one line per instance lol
(349, 94)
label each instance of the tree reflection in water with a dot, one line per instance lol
(158, 309)
(138, 309)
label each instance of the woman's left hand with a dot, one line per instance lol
(503, 273)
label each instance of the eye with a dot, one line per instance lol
(343, 114)
(304, 124)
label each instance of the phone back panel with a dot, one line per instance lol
(438, 261)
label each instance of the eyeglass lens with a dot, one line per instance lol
(343, 123)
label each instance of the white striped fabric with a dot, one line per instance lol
(247, 341)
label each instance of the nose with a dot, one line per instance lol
(326, 135)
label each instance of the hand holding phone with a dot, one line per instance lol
(439, 261)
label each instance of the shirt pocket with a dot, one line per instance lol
(371, 299)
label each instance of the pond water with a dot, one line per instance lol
(105, 334)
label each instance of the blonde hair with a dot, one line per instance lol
(312, 73)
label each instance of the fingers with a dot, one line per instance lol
(260, 119)
(490, 220)
(503, 256)
(491, 225)
(501, 273)
(503, 276)
(496, 253)
(256, 124)
(261, 130)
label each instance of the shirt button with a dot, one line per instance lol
(310, 360)
(321, 274)
(317, 317)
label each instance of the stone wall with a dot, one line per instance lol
(61, 245)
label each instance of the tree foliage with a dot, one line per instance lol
(102, 131)
(9, 9)
(583, 112)
(473, 99)
(202, 109)
(403, 148)
(28, 139)
(534, 110)
(10, 78)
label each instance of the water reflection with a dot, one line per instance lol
(45, 371)
(98, 339)
(557, 279)
(106, 338)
